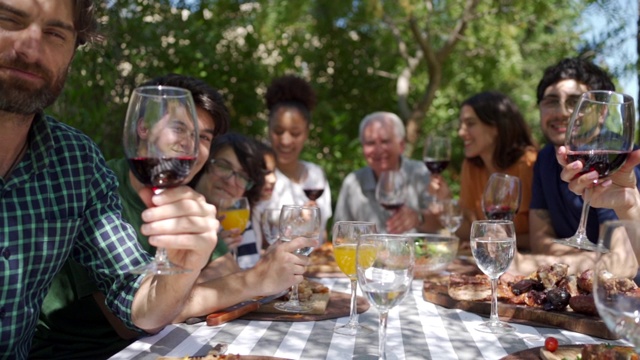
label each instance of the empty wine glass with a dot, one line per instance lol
(391, 190)
(600, 135)
(345, 236)
(437, 153)
(450, 214)
(614, 290)
(312, 181)
(298, 221)
(270, 224)
(501, 197)
(384, 266)
(493, 245)
(160, 133)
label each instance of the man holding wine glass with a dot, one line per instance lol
(382, 135)
(59, 199)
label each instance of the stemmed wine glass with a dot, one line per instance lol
(160, 134)
(270, 224)
(384, 265)
(298, 221)
(345, 236)
(493, 245)
(391, 190)
(613, 286)
(437, 154)
(313, 181)
(600, 135)
(501, 197)
(450, 214)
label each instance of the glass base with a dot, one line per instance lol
(293, 306)
(495, 327)
(160, 268)
(577, 241)
(352, 329)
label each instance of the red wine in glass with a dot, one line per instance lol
(160, 173)
(313, 194)
(391, 206)
(602, 161)
(436, 166)
(499, 212)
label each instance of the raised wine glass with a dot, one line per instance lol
(345, 236)
(234, 214)
(600, 135)
(613, 286)
(298, 221)
(391, 190)
(384, 266)
(160, 133)
(501, 197)
(270, 225)
(493, 245)
(312, 181)
(437, 154)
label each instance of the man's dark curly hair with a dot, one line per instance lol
(514, 137)
(580, 70)
(290, 91)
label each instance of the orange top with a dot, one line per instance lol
(474, 179)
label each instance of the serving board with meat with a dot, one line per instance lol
(542, 298)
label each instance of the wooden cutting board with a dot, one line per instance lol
(435, 291)
(338, 305)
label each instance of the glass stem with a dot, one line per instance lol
(382, 335)
(494, 319)
(294, 294)
(161, 253)
(586, 201)
(353, 317)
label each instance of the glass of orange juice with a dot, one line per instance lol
(234, 214)
(345, 236)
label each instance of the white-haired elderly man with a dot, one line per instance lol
(382, 135)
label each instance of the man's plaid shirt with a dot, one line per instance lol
(60, 201)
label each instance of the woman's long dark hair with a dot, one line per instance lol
(514, 136)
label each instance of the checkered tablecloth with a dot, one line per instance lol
(416, 330)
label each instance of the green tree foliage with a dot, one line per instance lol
(361, 56)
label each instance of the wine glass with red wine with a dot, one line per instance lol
(600, 134)
(391, 190)
(437, 154)
(501, 197)
(160, 143)
(313, 181)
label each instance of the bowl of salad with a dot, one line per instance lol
(434, 252)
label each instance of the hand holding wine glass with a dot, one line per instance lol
(613, 286)
(493, 245)
(345, 235)
(501, 197)
(160, 133)
(384, 266)
(298, 221)
(600, 134)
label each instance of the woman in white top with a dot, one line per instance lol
(290, 100)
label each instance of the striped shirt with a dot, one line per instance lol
(60, 201)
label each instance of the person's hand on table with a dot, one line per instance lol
(403, 220)
(618, 191)
(180, 220)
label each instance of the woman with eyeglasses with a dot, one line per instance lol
(234, 170)
(290, 100)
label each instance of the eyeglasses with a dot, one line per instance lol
(554, 103)
(224, 170)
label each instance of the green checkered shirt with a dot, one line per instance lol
(60, 201)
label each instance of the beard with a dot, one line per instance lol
(22, 97)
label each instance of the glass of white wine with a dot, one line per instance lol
(493, 245)
(384, 266)
(345, 235)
